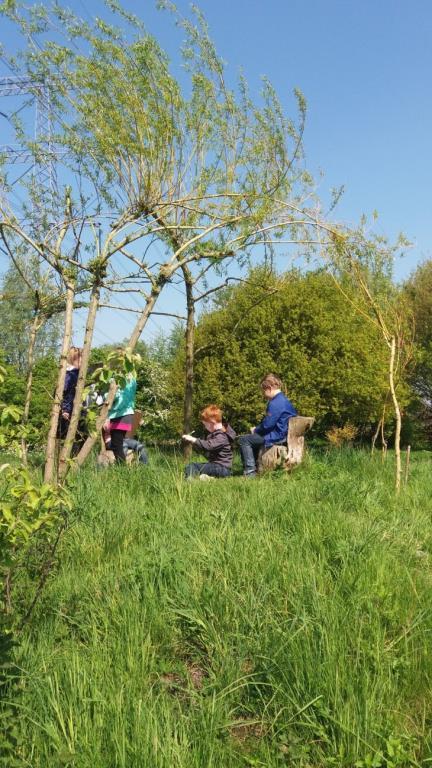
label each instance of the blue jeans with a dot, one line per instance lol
(249, 448)
(208, 468)
(129, 444)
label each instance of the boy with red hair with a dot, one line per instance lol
(217, 447)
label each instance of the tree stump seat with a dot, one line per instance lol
(288, 455)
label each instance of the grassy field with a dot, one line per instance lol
(279, 622)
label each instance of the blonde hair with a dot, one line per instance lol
(270, 381)
(74, 355)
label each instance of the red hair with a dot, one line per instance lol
(212, 413)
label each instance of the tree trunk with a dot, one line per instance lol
(397, 414)
(375, 437)
(189, 360)
(85, 357)
(407, 464)
(7, 591)
(35, 326)
(380, 430)
(55, 411)
(100, 421)
(384, 445)
(144, 316)
(135, 335)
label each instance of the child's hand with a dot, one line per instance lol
(189, 438)
(252, 430)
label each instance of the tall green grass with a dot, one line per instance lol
(279, 622)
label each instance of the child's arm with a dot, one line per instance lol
(273, 413)
(189, 438)
(216, 443)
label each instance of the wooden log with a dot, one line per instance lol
(291, 454)
(297, 427)
(272, 458)
(105, 458)
(136, 422)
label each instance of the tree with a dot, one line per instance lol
(366, 263)
(13, 392)
(192, 300)
(48, 247)
(32, 305)
(12, 383)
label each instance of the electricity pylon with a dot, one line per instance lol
(45, 156)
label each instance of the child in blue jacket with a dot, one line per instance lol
(72, 371)
(272, 430)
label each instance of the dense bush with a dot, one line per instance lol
(418, 420)
(12, 392)
(332, 360)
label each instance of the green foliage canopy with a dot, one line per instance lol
(419, 291)
(16, 314)
(12, 393)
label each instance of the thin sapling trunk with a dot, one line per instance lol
(85, 357)
(35, 327)
(189, 360)
(49, 475)
(397, 413)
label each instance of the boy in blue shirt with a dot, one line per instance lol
(272, 430)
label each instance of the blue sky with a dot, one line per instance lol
(364, 68)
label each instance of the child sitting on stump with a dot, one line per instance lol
(217, 447)
(272, 430)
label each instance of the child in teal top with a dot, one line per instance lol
(124, 401)
(120, 417)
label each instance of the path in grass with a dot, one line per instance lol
(285, 621)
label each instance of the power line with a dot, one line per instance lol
(22, 175)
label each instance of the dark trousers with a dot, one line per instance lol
(249, 448)
(80, 437)
(208, 468)
(62, 428)
(117, 437)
